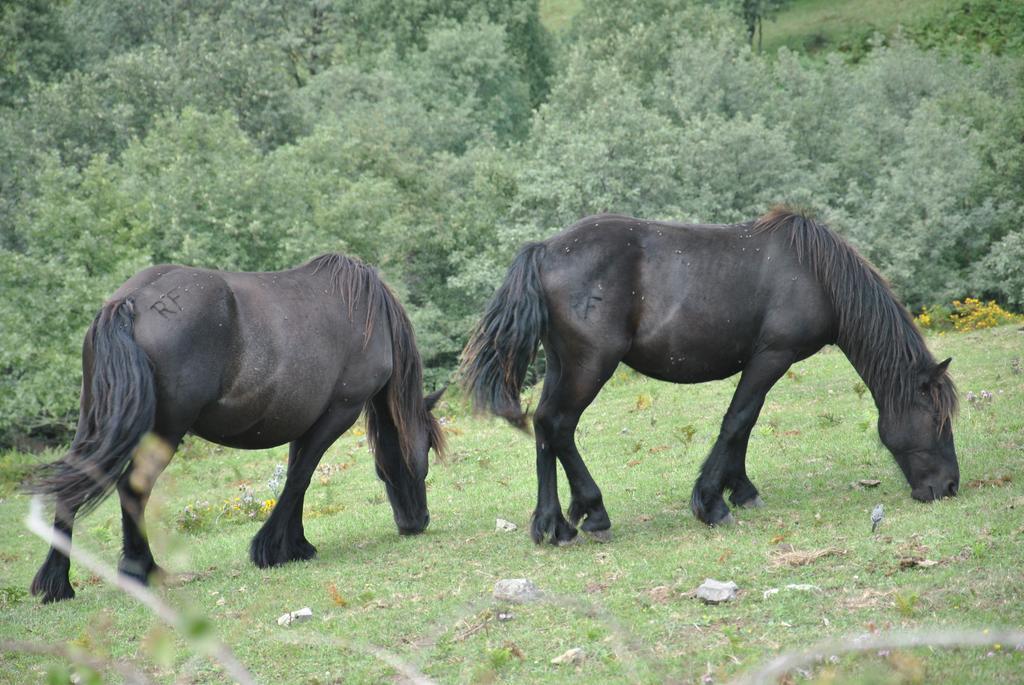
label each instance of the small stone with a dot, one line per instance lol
(715, 592)
(303, 614)
(516, 590)
(503, 526)
(572, 656)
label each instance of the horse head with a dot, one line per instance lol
(405, 478)
(920, 435)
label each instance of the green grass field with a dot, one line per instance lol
(627, 603)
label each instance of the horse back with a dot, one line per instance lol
(681, 302)
(252, 359)
(298, 324)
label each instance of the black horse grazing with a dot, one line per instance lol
(689, 304)
(247, 360)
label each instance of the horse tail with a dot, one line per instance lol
(117, 411)
(504, 342)
(404, 390)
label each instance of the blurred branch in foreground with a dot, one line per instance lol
(79, 657)
(195, 629)
(821, 651)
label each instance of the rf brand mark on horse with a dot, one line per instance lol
(164, 309)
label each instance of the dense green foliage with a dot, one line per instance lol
(431, 138)
(996, 24)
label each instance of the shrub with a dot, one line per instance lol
(934, 317)
(969, 314)
(1001, 271)
(972, 315)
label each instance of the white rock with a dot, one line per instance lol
(572, 656)
(503, 526)
(516, 590)
(303, 614)
(715, 592)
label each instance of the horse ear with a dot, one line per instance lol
(431, 399)
(939, 370)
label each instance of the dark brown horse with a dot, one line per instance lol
(247, 360)
(690, 304)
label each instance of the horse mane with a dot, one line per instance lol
(875, 331)
(352, 279)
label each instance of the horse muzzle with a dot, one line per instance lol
(939, 489)
(406, 528)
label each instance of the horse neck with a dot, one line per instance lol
(874, 330)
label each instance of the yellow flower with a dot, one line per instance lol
(972, 315)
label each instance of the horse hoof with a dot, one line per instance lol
(755, 503)
(53, 593)
(574, 540)
(726, 520)
(144, 572)
(52, 584)
(601, 536)
(61, 596)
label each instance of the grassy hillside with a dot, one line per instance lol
(626, 604)
(816, 26)
(820, 26)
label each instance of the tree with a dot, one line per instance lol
(33, 47)
(753, 13)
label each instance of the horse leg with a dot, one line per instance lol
(134, 489)
(586, 503)
(52, 580)
(567, 393)
(548, 521)
(282, 538)
(725, 467)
